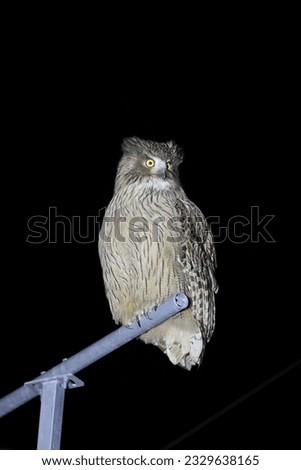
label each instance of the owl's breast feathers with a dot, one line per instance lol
(152, 244)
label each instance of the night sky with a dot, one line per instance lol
(70, 123)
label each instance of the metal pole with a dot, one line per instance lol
(52, 391)
(51, 415)
(97, 350)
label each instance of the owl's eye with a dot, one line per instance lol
(150, 163)
(168, 165)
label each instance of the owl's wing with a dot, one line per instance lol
(198, 259)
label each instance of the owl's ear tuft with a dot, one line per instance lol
(171, 144)
(177, 151)
(131, 145)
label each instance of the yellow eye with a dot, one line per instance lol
(150, 163)
(168, 165)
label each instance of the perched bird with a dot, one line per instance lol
(155, 242)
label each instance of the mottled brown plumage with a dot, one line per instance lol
(155, 242)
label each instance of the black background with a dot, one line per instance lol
(69, 116)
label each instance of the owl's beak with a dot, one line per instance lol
(164, 174)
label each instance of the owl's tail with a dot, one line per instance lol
(188, 353)
(180, 339)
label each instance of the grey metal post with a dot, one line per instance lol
(52, 391)
(51, 415)
(94, 352)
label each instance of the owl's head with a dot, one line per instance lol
(150, 162)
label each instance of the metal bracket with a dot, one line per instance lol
(52, 391)
(65, 381)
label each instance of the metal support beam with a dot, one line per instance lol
(97, 350)
(51, 415)
(52, 393)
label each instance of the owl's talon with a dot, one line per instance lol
(138, 321)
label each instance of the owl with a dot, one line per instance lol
(155, 242)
